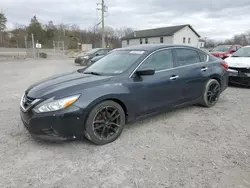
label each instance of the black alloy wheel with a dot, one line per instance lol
(105, 123)
(211, 93)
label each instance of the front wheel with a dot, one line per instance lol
(211, 93)
(105, 123)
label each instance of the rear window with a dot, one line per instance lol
(187, 56)
(203, 57)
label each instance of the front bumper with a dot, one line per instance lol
(66, 124)
(239, 78)
(82, 61)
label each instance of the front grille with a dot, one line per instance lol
(242, 70)
(27, 101)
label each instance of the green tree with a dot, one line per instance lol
(50, 30)
(3, 21)
(35, 27)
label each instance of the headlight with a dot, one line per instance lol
(86, 57)
(51, 105)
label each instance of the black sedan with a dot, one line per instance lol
(85, 58)
(126, 85)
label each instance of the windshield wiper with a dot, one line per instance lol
(93, 73)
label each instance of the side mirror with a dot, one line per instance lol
(97, 55)
(232, 51)
(145, 72)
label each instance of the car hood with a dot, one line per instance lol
(64, 84)
(239, 62)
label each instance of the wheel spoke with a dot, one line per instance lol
(99, 122)
(115, 124)
(113, 113)
(114, 118)
(209, 93)
(107, 113)
(99, 126)
(210, 100)
(103, 130)
(216, 88)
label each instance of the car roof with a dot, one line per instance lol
(153, 47)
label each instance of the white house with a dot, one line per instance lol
(180, 34)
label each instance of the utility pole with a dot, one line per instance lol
(33, 44)
(103, 10)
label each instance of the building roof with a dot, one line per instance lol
(157, 32)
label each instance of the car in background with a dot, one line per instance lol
(85, 58)
(95, 59)
(122, 87)
(224, 51)
(239, 67)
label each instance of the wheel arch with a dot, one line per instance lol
(216, 77)
(108, 98)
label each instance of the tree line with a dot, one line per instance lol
(72, 34)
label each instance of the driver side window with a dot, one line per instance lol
(159, 61)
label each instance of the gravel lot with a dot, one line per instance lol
(190, 147)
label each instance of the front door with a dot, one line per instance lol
(163, 89)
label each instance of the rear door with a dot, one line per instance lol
(194, 69)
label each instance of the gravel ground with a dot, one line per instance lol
(190, 147)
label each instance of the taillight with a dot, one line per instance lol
(225, 65)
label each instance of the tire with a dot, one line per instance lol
(208, 86)
(95, 134)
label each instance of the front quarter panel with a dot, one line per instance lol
(114, 91)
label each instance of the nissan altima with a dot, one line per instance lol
(126, 85)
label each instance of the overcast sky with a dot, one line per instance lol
(216, 19)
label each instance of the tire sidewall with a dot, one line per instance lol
(90, 118)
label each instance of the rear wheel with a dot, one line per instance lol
(211, 93)
(105, 123)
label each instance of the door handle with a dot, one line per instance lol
(204, 69)
(173, 77)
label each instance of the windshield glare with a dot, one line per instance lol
(114, 63)
(221, 49)
(243, 52)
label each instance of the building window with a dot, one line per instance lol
(184, 39)
(140, 41)
(189, 40)
(161, 40)
(146, 40)
(127, 42)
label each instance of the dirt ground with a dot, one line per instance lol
(189, 147)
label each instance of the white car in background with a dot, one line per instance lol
(239, 67)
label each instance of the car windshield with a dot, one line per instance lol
(221, 49)
(114, 63)
(243, 52)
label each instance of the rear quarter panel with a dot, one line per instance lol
(218, 72)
